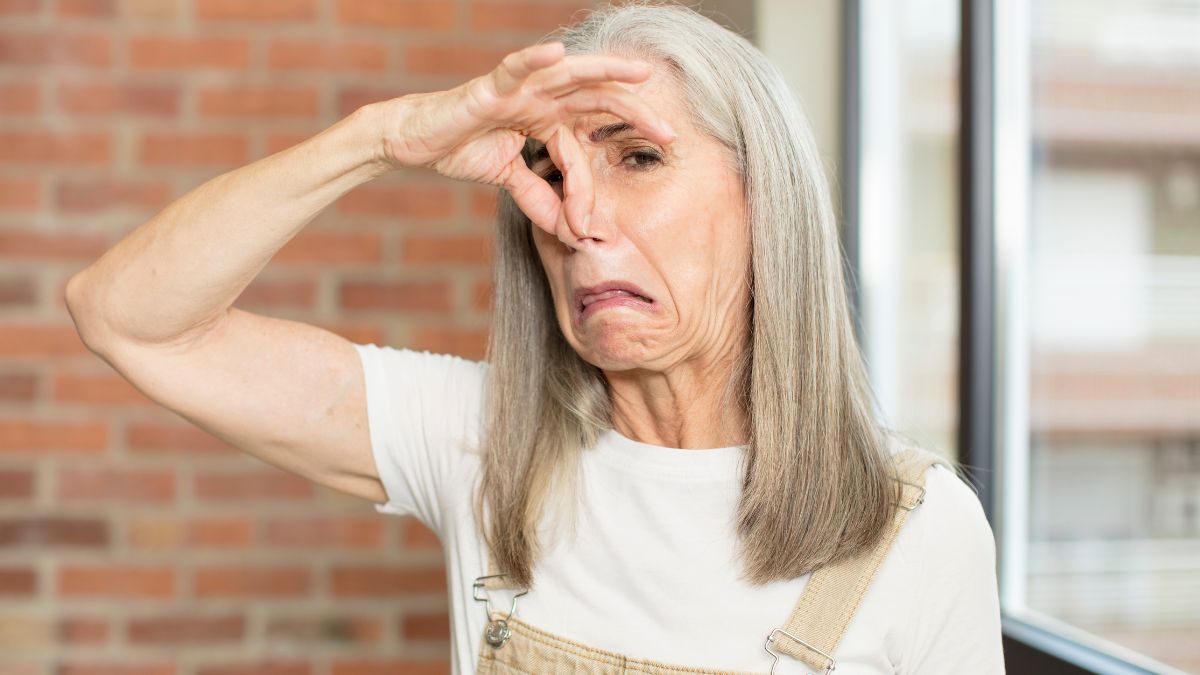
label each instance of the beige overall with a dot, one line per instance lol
(811, 634)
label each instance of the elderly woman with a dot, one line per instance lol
(669, 461)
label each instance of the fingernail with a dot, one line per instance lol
(587, 219)
(667, 128)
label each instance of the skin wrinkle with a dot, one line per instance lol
(677, 228)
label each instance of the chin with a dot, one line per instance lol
(614, 349)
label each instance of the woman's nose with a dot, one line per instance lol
(600, 228)
(598, 231)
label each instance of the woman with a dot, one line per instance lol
(672, 429)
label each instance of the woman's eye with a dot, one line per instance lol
(643, 157)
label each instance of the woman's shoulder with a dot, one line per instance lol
(949, 529)
(432, 368)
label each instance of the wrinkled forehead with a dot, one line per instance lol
(659, 92)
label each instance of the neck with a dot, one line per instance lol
(678, 408)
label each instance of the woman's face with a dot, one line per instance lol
(669, 220)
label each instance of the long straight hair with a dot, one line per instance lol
(817, 483)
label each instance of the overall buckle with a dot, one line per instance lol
(497, 631)
(771, 638)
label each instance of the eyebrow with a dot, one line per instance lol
(597, 135)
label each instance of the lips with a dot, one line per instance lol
(586, 296)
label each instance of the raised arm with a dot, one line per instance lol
(158, 305)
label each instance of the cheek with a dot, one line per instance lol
(551, 258)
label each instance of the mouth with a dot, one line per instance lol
(591, 299)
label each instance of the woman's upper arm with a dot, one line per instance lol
(955, 626)
(423, 410)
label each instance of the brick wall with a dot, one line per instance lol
(130, 541)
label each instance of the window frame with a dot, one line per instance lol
(993, 157)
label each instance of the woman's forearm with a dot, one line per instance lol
(182, 269)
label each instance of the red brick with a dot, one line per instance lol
(469, 249)
(535, 17)
(460, 60)
(482, 296)
(48, 340)
(426, 626)
(263, 294)
(369, 581)
(101, 193)
(106, 98)
(470, 344)
(17, 7)
(116, 580)
(258, 101)
(20, 194)
(234, 532)
(272, 667)
(18, 387)
(257, 485)
(83, 631)
(353, 98)
(16, 484)
(395, 295)
(424, 14)
(193, 149)
(53, 531)
(157, 53)
(16, 292)
(351, 630)
(387, 667)
(246, 582)
(259, 10)
(150, 532)
(416, 536)
(47, 147)
(87, 8)
(17, 581)
(408, 200)
(314, 55)
(115, 484)
(188, 629)
(37, 437)
(314, 246)
(29, 244)
(47, 49)
(97, 667)
(483, 202)
(106, 389)
(20, 98)
(152, 438)
(324, 533)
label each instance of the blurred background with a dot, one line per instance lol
(132, 542)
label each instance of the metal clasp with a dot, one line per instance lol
(771, 638)
(497, 631)
(920, 497)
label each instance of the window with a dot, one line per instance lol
(1026, 207)
(907, 204)
(1102, 454)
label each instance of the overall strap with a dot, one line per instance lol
(834, 591)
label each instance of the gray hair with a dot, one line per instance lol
(817, 483)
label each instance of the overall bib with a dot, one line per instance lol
(811, 634)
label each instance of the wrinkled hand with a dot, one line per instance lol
(476, 131)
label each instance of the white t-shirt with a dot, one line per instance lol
(653, 572)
